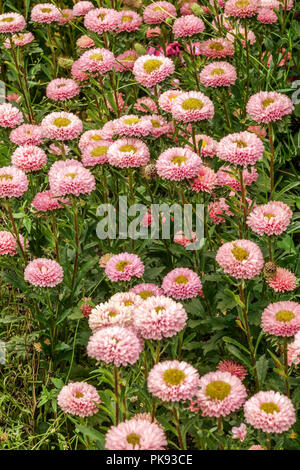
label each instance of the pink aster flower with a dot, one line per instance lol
(220, 394)
(29, 158)
(146, 290)
(10, 116)
(281, 318)
(146, 105)
(97, 60)
(46, 201)
(177, 164)
(43, 272)
(59, 150)
(159, 317)
(79, 399)
(181, 283)
(216, 210)
(96, 153)
(256, 447)
(62, 89)
(82, 8)
(183, 240)
(123, 267)
(19, 40)
(78, 73)
(70, 177)
(283, 280)
(270, 411)
(227, 176)
(108, 130)
(128, 300)
(269, 106)
(66, 16)
(13, 182)
(272, 218)
(294, 351)
(208, 145)
(136, 434)
(125, 61)
(187, 26)
(115, 344)
(205, 181)
(173, 381)
(153, 32)
(258, 130)
(129, 21)
(45, 13)
(157, 12)
(243, 148)
(240, 259)
(100, 20)
(85, 42)
(11, 23)
(241, 8)
(26, 134)
(239, 33)
(166, 99)
(192, 106)
(216, 48)
(218, 74)
(9, 244)
(110, 313)
(149, 70)
(159, 125)
(267, 16)
(132, 126)
(91, 137)
(234, 368)
(61, 126)
(126, 153)
(239, 432)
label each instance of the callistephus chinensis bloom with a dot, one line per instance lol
(128, 152)
(240, 259)
(282, 281)
(61, 126)
(192, 106)
(110, 313)
(79, 399)
(269, 106)
(46, 201)
(96, 61)
(19, 39)
(216, 48)
(281, 318)
(129, 21)
(29, 158)
(43, 272)
(11, 23)
(9, 243)
(242, 148)
(270, 411)
(100, 20)
(187, 26)
(234, 368)
(205, 181)
(218, 74)
(294, 351)
(85, 42)
(10, 116)
(82, 8)
(150, 70)
(45, 13)
(272, 218)
(239, 432)
(132, 126)
(123, 267)
(146, 290)
(62, 89)
(13, 182)
(70, 177)
(146, 105)
(229, 177)
(157, 12)
(166, 99)
(241, 8)
(125, 61)
(26, 134)
(181, 283)
(177, 164)
(96, 153)
(91, 137)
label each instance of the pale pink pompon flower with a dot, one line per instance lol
(70, 177)
(173, 381)
(19, 39)
(228, 176)
(282, 281)
(159, 317)
(43, 272)
(178, 164)
(79, 399)
(270, 411)
(146, 290)
(269, 219)
(10, 116)
(126, 60)
(241, 8)
(128, 152)
(187, 26)
(115, 345)
(82, 8)
(61, 126)
(239, 432)
(146, 105)
(131, 125)
(29, 158)
(240, 259)
(100, 20)
(234, 368)
(9, 244)
(123, 267)
(157, 12)
(110, 313)
(256, 447)
(166, 99)
(192, 106)
(218, 74)
(281, 318)
(13, 182)
(216, 48)
(242, 148)
(136, 434)
(11, 23)
(85, 42)
(294, 351)
(206, 180)
(62, 89)
(96, 61)
(96, 153)
(45, 13)
(26, 134)
(129, 21)
(181, 283)
(220, 394)
(269, 106)
(150, 70)
(46, 201)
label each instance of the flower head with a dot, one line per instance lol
(243, 148)
(85, 42)
(90, 138)
(229, 177)
(100, 20)
(239, 432)
(294, 351)
(192, 106)
(79, 399)
(272, 218)
(82, 8)
(46, 201)
(146, 105)
(216, 48)
(26, 134)
(10, 116)
(19, 40)
(181, 283)
(234, 368)
(110, 313)
(241, 8)
(282, 281)
(96, 153)
(177, 164)
(205, 181)
(11, 23)
(130, 152)
(43, 272)
(62, 89)
(218, 74)
(70, 177)
(129, 21)
(269, 106)
(149, 70)
(281, 318)
(29, 158)
(146, 290)
(45, 13)
(9, 244)
(166, 99)
(123, 267)
(132, 126)
(240, 259)
(13, 182)
(187, 26)
(125, 61)
(157, 12)
(61, 126)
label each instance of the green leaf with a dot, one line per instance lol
(262, 366)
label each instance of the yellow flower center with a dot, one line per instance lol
(269, 408)
(126, 18)
(239, 253)
(96, 137)
(46, 10)
(127, 303)
(131, 121)
(6, 177)
(145, 294)
(79, 395)
(112, 314)
(179, 159)
(216, 46)
(102, 16)
(72, 175)
(61, 122)
(155, 123)
(7, 20)
(173, 376)
(240, 144)
(128, 148)
(61, 85)
(98, 57)
(98, 151)
(217, 390)
(121, 265)
(172, 97)
(129, 58)
(204, 144)
(242, 3)
(192, 103)
(269, 216)
(218, 71)
(181, 280)
(159, 309)
(133, 439)
(267, 102)
(152, 64)
(284, 316)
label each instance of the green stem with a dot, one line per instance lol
(76, 228)
(177, 424)
(271, 161)
(116, 393)
(286, 366)
(15, 230)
